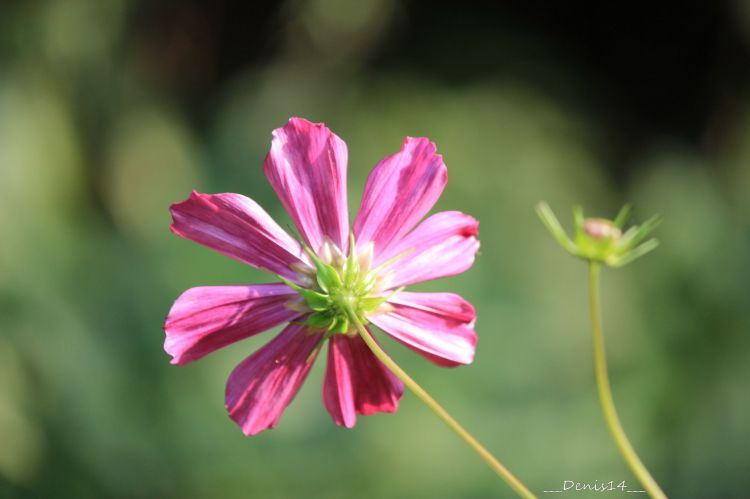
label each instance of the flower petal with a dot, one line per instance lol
(207, 318)
(399, 192)
(443, 245)
(260, 388)
(238, 227)
(439, 326)
(307, 168)
(357, 382)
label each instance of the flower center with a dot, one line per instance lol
(340, 286)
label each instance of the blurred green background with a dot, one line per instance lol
(111, 110)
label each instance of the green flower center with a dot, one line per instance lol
(341, 286)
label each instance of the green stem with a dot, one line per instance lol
(441, 413)
(605, 393)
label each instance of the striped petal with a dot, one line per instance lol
(205, 319)
(238, 227)
(307, 168)
(439, 326)
(399, 192)
(357, 382)
(261, 387)
(443, 245)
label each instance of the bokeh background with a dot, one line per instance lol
(110, 110)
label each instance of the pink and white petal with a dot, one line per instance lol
(356, 382)
(307, 168)
(260, 388)
(439, 326)
(442, 245)
(399, 192)
(238, 227)
(205, 319)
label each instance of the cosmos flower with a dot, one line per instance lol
(331, 271)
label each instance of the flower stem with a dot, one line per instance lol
(605, 393)
(441, 413)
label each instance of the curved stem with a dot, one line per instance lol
(441, 413)
(605, 393)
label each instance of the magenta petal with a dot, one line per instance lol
(357, 382)
(439, 326)
(399, 192)
(443, 245)
(307, 168)
(260, 388)
(205, 319)
(238, 227)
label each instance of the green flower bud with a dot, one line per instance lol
(600, 239)
(338, 282)
(600, 228)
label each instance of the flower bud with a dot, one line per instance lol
(601, 228)
(599, 239)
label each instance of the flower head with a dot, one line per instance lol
(331, 271)
(599, 239)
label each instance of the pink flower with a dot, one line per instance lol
(387, 250)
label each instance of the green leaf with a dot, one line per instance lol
(548, 218)
(638, 252)
(328, 277)
(316, 301)
(319, 320)
(371, 303)
(351, 265)
(368, 283)
(340, 325)
(622, 216)
(290, 283)
(635, 235)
